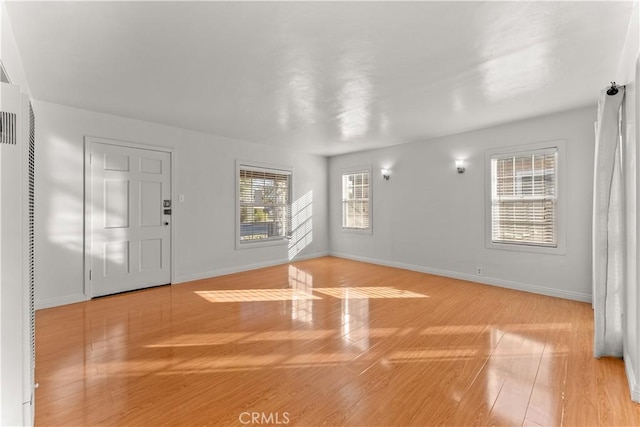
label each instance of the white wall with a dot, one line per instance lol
(9, 53)
(429, 218)
(205, 175)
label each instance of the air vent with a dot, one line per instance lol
(7, 128)
(31, 221)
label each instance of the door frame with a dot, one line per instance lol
(88, 140)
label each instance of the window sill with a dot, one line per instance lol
(363, 231)
(519, 247)
(261, 243)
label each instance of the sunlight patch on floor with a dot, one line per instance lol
(254, 295)
(369, 292)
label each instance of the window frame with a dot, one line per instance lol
(257, 166)
(560, 147)
(350, 171)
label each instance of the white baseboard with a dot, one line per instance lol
(55, 302)
(559, 293)
(183, 278)
(634, 386)
(71, 299)
(577, 296)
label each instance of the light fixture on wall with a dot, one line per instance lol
(460, 165)
(386, 173)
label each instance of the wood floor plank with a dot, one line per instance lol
(545, 404)
(513, 400)
(326, 342)
(611, 389)
(580, 405)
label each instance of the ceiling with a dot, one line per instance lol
(321, 77)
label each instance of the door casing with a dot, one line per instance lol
(88, 140)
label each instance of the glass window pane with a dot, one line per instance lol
(355, 194)
(523, 199)
(264, 198)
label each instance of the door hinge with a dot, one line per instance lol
(90, 159)
(89, 274)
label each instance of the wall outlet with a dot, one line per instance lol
(478, 271)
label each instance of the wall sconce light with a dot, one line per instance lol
(386, 173)
(460, 165)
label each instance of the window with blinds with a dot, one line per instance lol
(356, 200)
(265, 204)
(524, 189)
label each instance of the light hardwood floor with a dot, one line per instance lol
(326, 342)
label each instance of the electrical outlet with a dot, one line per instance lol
(478, 271)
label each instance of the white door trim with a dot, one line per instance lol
(88, 140)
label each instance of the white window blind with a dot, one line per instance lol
(355, 200)
(265, 204)
(524, 191)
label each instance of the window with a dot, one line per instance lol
(524, 198)
(264, 204)
(356, 200)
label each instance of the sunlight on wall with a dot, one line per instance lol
(62, 203)
(301, 224)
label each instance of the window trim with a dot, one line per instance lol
(352, 170)
(258, 166)
(560, 249)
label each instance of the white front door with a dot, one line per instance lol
(129, 218)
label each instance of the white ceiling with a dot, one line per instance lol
(321, 77)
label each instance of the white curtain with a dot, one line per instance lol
(608, 228)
